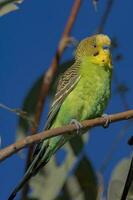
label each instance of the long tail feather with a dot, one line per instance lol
(40, 158)
(29, 173)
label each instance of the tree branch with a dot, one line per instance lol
(69, 129)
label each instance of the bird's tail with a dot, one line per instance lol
(38, 162)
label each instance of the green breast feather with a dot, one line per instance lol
(89, 97)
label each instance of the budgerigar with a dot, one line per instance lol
(82, 93)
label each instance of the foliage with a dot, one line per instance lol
(71, 183)
(74, 178)
(7, 6)
(118, 179)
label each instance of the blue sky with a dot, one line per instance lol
(28, 41)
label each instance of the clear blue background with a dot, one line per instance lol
(28, 41)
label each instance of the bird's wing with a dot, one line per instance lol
(65, 85)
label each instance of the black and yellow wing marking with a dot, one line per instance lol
(65, 85)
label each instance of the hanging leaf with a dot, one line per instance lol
(30, 101)
(87, 179)
(49, 181)
(95, 3)
(82, 184)
(77, 143)
(7, 6)
(118, 179)
(29, 106)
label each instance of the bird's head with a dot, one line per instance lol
(95, 49)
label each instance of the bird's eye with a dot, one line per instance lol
(94, 45)
(96, 54)
(106, 47)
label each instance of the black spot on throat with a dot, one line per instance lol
(96, 54)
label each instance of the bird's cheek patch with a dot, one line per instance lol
(96, 53)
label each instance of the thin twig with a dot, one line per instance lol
(23, 114)
(48, 77)
(105, 16)
(69, 129)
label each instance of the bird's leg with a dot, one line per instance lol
(106, 117)
(78, 125)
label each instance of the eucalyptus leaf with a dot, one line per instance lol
(7, 6)
(54, 181)
(50, 180)
(82, 184)
(118, 179)
(77, 143)
(87, 179)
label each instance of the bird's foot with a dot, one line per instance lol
(78, 126)
(107, 120)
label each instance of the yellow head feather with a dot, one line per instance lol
(95, 49)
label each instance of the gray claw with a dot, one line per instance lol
(78, 125)
(106, 117)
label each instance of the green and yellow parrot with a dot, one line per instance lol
(83, 92)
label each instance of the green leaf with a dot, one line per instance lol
(118, 179)
(29, 105)
(30, 101)
(87, 179)
(7, 6)
(53, 181)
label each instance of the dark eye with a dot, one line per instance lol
(94, 45)
(96, 54)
